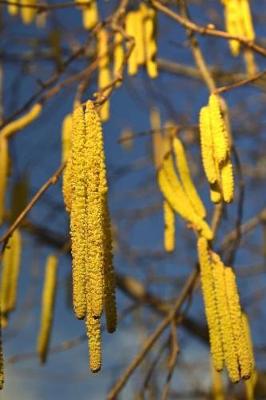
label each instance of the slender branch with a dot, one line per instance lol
(51, 181)
(207, 30)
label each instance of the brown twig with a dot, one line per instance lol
(51, 181)
(149, 342)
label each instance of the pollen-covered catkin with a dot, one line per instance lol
(47, 310)
(215, 192)
(139, 34)
(28, 13)
(186, 180)
(228, 339)
(90, 14)
(218, 129)
(78, 215)
(210, 302)
(169, 227)
(206, 141)
(246, 19)
(245, 362)
(22, 122)
(247, 334)
(233, 25)
(94, 334)
(3, 174)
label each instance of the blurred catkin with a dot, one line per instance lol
(90, 14)
(169, 227)
(28, 13)
(47, 309)
(186, 180)
(22, 122)
(104, 74)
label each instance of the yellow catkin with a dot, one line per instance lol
(218, 129)
(10, 274)
(94, 334)
(78, 216)
(233, 25)
(104, 75)
(66, 154)
(206, 142)
(130, 30)
(13, 9)
(246, 19)
(169, 227)
(47, 309)
(227, 180)
(243, 354)
(173, 192)
(150, 41)
(217, 384)
(210, 303)
(215, 193)
(22, 122)
(247, 334)
(3, 174)
(28, 13)
(90, 15)
(118, 54)
(186, 180)
(139, 34)
(95, 174)
(228, 339)
(14, 269)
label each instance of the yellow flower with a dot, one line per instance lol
(169, 227)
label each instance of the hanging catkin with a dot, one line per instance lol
(130, 30)
(78, 215)
(93, 325)
(13, 9)
(28, 13)
(228, 339)
(220, 141)
(169, 227)
(47, 310)
(10, 274)
(66, 154)
(207, 145)
(150, 40)
(104, 75)
(1, 358)
(227, 180)
(243, 354)
(3, 174)
(173, 192)
(90, 14)
(22, 122)
(186, 180)
(210, 302)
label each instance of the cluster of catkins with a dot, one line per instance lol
(85, 195)
(28, 14)
(228, 325)
(141, 25)
(238, 21)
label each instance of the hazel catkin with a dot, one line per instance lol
(169, 227)
(47, 310)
